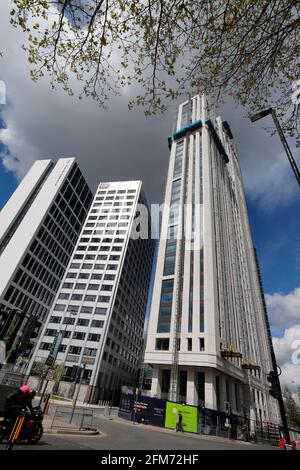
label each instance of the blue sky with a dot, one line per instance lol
(117, 144)
(276, 237)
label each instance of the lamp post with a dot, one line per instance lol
(273, 376)
(51, 360)
(272, 112)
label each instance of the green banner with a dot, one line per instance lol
(189, 416)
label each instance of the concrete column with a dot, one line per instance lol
(156, 385)
(222, 393)
(210, 390)
(191, 389)
(233, 397)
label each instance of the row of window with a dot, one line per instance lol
(76, 334)
(115, 191)
(83, 286)
(45, 346)
(74, 309)
(85, 298)
(163, 344)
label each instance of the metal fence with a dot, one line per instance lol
(67, 417)
(8, 376)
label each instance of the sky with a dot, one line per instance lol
(119, 144)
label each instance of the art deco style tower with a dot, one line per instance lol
(207, 337)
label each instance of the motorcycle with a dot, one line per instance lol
(31, 430)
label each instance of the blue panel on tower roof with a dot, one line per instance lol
(179, 133)
(185, 130)
(194, 125)
(217, 140)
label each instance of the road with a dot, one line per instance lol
(126, 436)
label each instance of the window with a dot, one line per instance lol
(90, 298)
(90, 352)
(165, 309)
(50, 332)
(83, 276)
(100, 311)
(97, 323)
(76, 297)
(64, 296)
(69, 321)
(103, 298)
(67, 285)
(71, 275)
(93, 337)
(184, 114)
(169, 267)
(107, 287)
(73, 308)
(93, 286)
(80, 285)
(86, 309)
(162, 344)
(81, 248)
(99, 266)
(78, 335)
(59, 307)
(189, 344)
(87, 266)
(112, 267)
(83, 322)
(74, 265)
(96, 276)
(75, 349)
(89, 257)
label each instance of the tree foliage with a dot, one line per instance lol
(292, 409)
(245, 48)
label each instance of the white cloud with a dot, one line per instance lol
(287, 351)
(285, 346)
(17, 145)
(272, 183)
(284, 310)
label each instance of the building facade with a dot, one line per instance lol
(39, 227)
(101, 302)
(207, 338)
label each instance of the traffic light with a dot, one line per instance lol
(75, 373)
(227, 408)
(274, 390)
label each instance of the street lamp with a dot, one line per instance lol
(273, 376)
(272, 112)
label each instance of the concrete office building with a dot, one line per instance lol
(101, 302)
(207, 338)
(39, 226)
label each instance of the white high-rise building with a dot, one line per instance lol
(207, 338)
(101, 303)
(39, 226)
